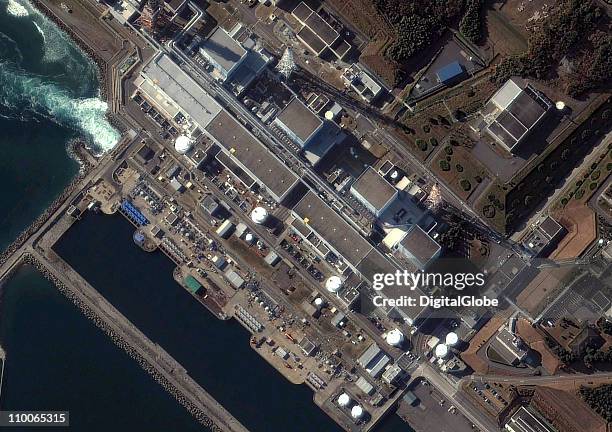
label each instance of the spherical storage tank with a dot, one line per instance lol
(344, 400)
(395, 337)
(452, 339)
(182, 144)
(259, 215)
(357, 412)
(333, 284)
(441, 351)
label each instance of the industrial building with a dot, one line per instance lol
(509, 347)
(526, 420)
(512, 113)
(413, 244)
(450, 73)
(223, 52)
(543, 237)
(362, 82)
(245, 151)
(318, 35)
(176, 95)
(374, 192)
(298, 122)
(320, 226)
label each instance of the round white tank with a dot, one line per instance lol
(182, 144)
(441, 351)
(249, 237)
(395, 337)
(329, 115)
(452, 339)
(560, 105)
(344, 400)
(357, 412)
(259, 215)
(333, 284)
(318, 302)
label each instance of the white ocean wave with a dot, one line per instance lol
(21, 90)
(16, 9)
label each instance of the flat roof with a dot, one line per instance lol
(513, 111)
(550, 227)
(311, 40)
(299, 119)
(372, 187)
(254, 157)
(420, 245)
(330, 226)
(226, 51)
(323, 30)
(302, 11)
(525, 421)
(184, 91)
(449, 72)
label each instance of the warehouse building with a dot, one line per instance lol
(512, 113)
(244, 150)
(526, 420)
(223, 52)
(164, 85)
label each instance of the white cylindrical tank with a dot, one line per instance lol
(259, 215)
(395, 337)
(249, 238)
(357, 412)
(560, 105)
(318, 302)
(333, 284)
(344, 400)
(452, 339)
(182, 144)
(441, 350)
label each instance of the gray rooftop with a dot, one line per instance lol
(420, 245)
(330, 226)
(252, 155)
(374, 189)
(185, 92)
(299, 119)
(223, 49)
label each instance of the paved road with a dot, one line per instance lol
(457, 396)
(535, 380)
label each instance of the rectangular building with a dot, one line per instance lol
(524, 420)
(512, 112)
(252, 156)
(317, 34)
(373, 191)
(176, 95)
(223, 52)
(298, 122)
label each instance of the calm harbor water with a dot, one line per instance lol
(59, 360)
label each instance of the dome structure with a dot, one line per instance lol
(318, 302)
(357, 412)
(333, 284)
(259, 215)
(344, 400)
(395, 338)
(452, 339)
(441, 350)
(183, 144)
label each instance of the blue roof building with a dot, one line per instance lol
(450, 72)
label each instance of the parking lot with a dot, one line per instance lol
(432, 411)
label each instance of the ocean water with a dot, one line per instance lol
(49, 94)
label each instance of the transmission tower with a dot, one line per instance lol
(286, 65)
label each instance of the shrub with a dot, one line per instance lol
(459, 168)
(593, 186)
(465, 185)
(564, 201)
(426, 128)
(609, 167)
(444, 165)
(433, 141)
(470, 25)
(478, 179)
(579, 194)
(448, 150)
(595, 174)
(421, 144)
(488, 211)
